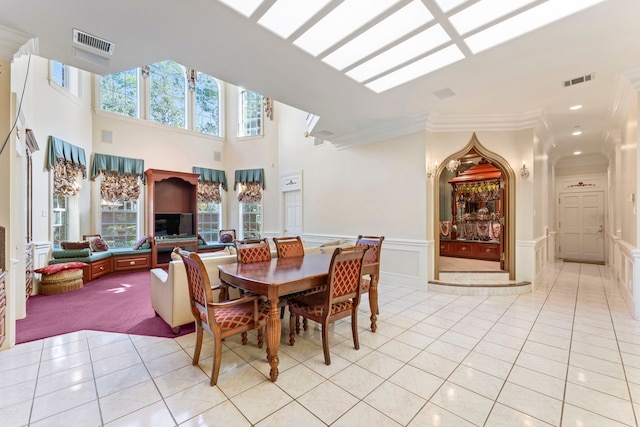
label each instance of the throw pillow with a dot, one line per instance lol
(226, 238)
(98, 244)
(201, 239)
(140, 242)
(56, 268)
(75, 245)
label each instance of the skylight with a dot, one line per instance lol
(244, 7)
(286, 16)
(530, 20)
(385, 43)
(388, 31)
(349, 16)
(401, 53)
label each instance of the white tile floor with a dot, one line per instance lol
(568, 354)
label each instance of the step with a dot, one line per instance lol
(480, 283)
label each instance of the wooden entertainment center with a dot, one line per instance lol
(171, 195)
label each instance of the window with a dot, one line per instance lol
(65, 77)
(60, 219)
(119, 223)
(60, 74)
(119, 93)
(209, 221)
(251, 219)
(168, 94)
(207, 105)
(250, 114)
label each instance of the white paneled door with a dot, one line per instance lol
(582, 226)
(293, 213)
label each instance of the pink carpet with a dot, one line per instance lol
(112, 303)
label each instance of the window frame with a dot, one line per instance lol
(243, 114)
(55, 213)
(241, 221)
(212, 234)
(138, 98)
(70, 84)
(130, 238)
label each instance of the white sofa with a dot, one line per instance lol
(169, 291)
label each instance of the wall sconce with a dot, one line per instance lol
(431, 171)
(453, 164)
(524, 172)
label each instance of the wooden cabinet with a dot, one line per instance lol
(3, 308)
(470, 249)
(100, 268)
(131, 262)
(172, 212)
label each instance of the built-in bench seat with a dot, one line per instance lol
(104, 262)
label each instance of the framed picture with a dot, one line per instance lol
(291, 182)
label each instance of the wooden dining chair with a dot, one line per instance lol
(340, 299)
(221, 319)
(252, 250)
(371, 265)
(289, 246)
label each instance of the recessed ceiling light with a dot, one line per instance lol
(576, 132)
(577, 153)
(575, 107)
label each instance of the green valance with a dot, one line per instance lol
(249, 176)
(116, 165)
(211, 176)
(59, 151)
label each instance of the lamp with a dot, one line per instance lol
(431, 171)
(524, 172)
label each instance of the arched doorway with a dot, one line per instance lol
(475, 158)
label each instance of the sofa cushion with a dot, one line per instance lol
(98, 244)
(75, 245)
(71, 253)
(56, 268)
(140, 242)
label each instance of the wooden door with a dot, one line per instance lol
(581, 227)
(293, 213)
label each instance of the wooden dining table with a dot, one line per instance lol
(276, 278)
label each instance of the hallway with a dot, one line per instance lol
(568, 354)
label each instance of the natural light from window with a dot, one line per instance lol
(385, 43)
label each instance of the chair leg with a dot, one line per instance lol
(282, 312)
(297, 324)
(260, 337)
(325, 342)
(373, 306)
(305, 324)
(293, 319)
(354, 327)
(198, 347)
(244, 338)
(217, 358)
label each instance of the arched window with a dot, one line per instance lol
(168, 93)
(119, 93)
(207, 93)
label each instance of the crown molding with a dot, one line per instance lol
(437, 122)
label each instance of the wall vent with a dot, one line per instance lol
(86, 39)
(577, 80)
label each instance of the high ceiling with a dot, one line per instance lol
(323, 67)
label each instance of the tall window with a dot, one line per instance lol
(119, 93)
(119, 223)
(250, 114)
(207, 105)
(209, 221)
(251, 219)
(60, 219)
(168, 94)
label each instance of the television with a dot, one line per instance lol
(178, 224)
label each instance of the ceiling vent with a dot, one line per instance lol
(85, 39)
(577, 80)
(317, 142)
